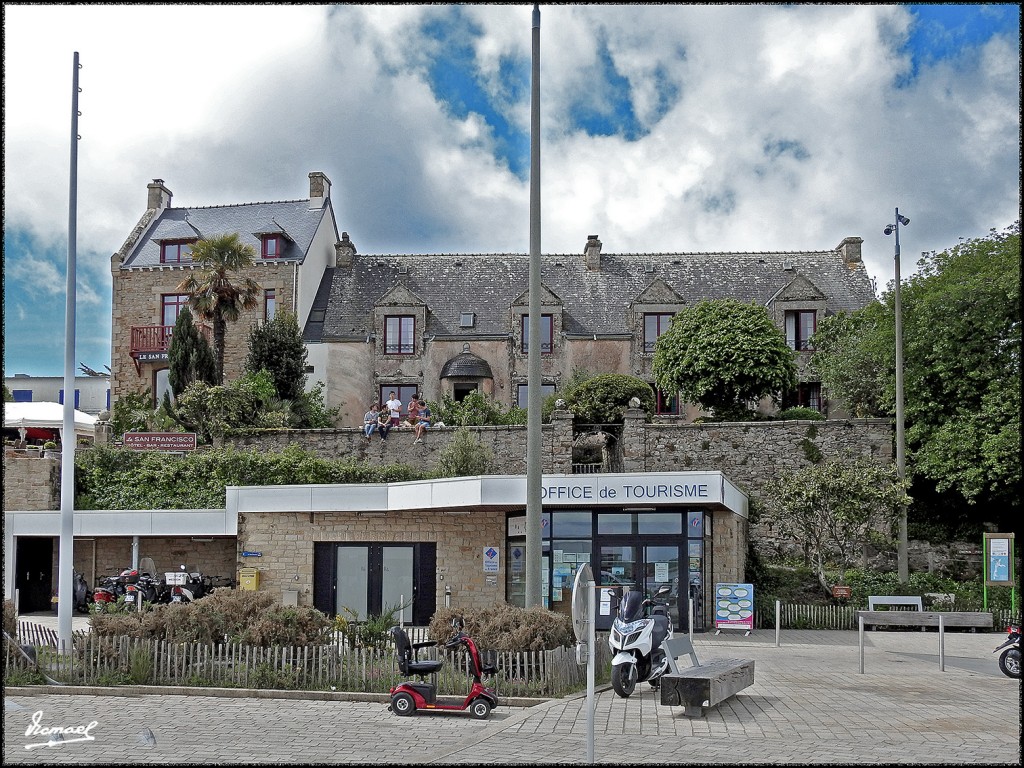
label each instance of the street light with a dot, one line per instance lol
(901, 461)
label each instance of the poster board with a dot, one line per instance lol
(734, 606)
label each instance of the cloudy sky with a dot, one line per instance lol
(664, 129)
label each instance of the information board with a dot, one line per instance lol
(734, 606)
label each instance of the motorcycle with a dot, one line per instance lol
(82, 595)
(110, 588)
(637, 639)
(141, 585)
(1009, 659)
(185, 587)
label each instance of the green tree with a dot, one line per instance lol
(834, 507)
(247, 402)
(276, 346)
(961, 352)
(189, 355)
(8, 397)
(723, 355)
(850, 357)
(213, 291)
(603, 399)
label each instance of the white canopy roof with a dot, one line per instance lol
(46, 416)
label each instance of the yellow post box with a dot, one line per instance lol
(249, 579)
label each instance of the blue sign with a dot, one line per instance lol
(252, 554)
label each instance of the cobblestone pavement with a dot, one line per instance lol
(809, 704)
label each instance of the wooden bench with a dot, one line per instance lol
(701, 686)
(959, 619)
(914, 600)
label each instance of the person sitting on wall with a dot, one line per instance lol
(370, 422)
(383, 423)
(412, 415)
(394, 406)
(423, 423)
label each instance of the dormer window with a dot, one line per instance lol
(655, 324)
(800, 326)
(176, 251)
(547, 334)
(272, 246)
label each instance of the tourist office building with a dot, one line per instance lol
(362, 549)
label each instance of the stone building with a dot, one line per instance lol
(294, 243)
(448, 324)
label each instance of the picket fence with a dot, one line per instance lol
(97, 660)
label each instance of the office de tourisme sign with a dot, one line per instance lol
(160, 441)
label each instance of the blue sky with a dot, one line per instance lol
(665, 129)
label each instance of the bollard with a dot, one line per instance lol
(942, 646)
(860, 636)
(778, 621)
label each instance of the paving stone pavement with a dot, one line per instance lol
(809, 704)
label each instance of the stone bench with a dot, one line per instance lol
(701, 686)
(959, 619)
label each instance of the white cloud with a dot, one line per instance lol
(240, 103)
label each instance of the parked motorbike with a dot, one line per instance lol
(81, 597)
(185, 586)
(637, 638)
(1009, 658)
(109, 589)
(141, 585)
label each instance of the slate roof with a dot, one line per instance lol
(292, 218)
(594, 302)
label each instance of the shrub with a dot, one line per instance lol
(250, 618)
(465, 456)
(604, 398)
(507, 628)
(799, 413)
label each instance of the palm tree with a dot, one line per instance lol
(211, 292)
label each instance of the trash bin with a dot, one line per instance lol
(249, 579)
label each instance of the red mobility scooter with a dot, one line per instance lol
(409, 696)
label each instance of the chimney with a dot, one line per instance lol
(344, 251)
(592, 253)
(849, 249)
(319, 190)
(159, 196)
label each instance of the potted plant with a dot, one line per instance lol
(50, 450)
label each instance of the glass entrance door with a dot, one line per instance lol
(661, 566)
(373, 579)
(625, 563)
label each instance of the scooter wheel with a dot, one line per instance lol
(1009, 662)
(402, 704)
(624, 679)
(480, 709)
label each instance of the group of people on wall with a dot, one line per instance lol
(382, 418)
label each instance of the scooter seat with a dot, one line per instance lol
(425, 667)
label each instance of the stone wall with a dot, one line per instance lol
(461, 540)
(30, 481)
(137, 302)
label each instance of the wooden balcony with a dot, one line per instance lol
(151, 342)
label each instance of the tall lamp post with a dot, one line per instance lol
(901, 459)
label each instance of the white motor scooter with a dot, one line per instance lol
(637, 640)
